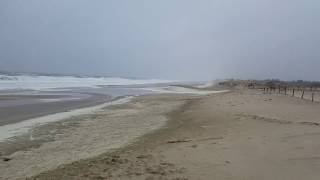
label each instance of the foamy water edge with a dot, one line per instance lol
(17, 129)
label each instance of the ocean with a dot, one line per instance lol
(41, 82)
(28, 100)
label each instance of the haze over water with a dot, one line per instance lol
(168, 39)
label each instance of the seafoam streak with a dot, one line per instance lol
(182, 90)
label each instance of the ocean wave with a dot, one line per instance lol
(40, 82)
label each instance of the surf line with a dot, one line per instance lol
(12, 130)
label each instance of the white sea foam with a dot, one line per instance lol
(20, 128)
(8, 82)
(59, 99)
(207, 85)
(182, 90)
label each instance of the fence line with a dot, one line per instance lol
(312, 94)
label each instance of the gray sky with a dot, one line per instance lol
(169, 39)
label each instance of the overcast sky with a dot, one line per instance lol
(168, 39)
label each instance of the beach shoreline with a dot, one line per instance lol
(242, 134)
(38, 105)
(10, 131)
(39, 108)
(84, 136)
(239, 134)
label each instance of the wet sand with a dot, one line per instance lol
(48, 146)
(17, 108)
(234, 135)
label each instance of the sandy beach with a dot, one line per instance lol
(159, 90)
(80, 137)
(241, 134)
(20, 105)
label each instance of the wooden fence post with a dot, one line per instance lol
(292, 92)
(302, 94)
(285, 91)
(312, 96)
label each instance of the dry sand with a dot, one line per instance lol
(236, 135)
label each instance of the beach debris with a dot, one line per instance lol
(6, 159)
(144, 157)
(166, 164)
(190, 140)
(115, 159)
(310, 123)
(178, 141)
